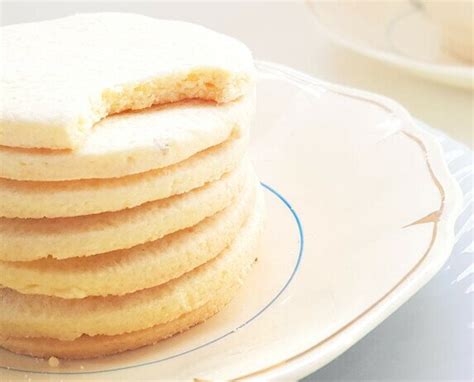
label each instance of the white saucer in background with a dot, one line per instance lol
(396, 32)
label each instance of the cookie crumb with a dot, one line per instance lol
(53, 362)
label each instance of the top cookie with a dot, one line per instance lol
(59, 77)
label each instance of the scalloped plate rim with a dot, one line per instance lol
(310, 360)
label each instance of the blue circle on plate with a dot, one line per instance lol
(295, 269)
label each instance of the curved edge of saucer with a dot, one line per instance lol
(448, 74)
(322, 353)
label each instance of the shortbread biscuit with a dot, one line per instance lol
(25, 199)
(125, 271)
(61, 76)
(135, 142)
(100, 345)
(43, 316)
(32, 239)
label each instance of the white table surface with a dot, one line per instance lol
(431, 336)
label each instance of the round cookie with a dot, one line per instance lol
(25, 199)
(32, 239)
(100, 345)
(134, 142)
(43, 316)
(84, 67)
(115, 273)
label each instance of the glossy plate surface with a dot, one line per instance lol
(397, 32)
(361, 210)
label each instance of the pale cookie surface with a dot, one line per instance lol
(25, 199)
(125, 271)
(43, 316)
(135, 142)
(84, 67)
(32, 239)
(100, 345)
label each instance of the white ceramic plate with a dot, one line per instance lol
(361, 210)
(396, 32)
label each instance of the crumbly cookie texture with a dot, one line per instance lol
(128, 270)
(135, 142)
(89, 66)
(31, 239)
(69, 319)
(25, 199)
(98, 346)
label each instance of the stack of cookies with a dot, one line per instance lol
(129, 211)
